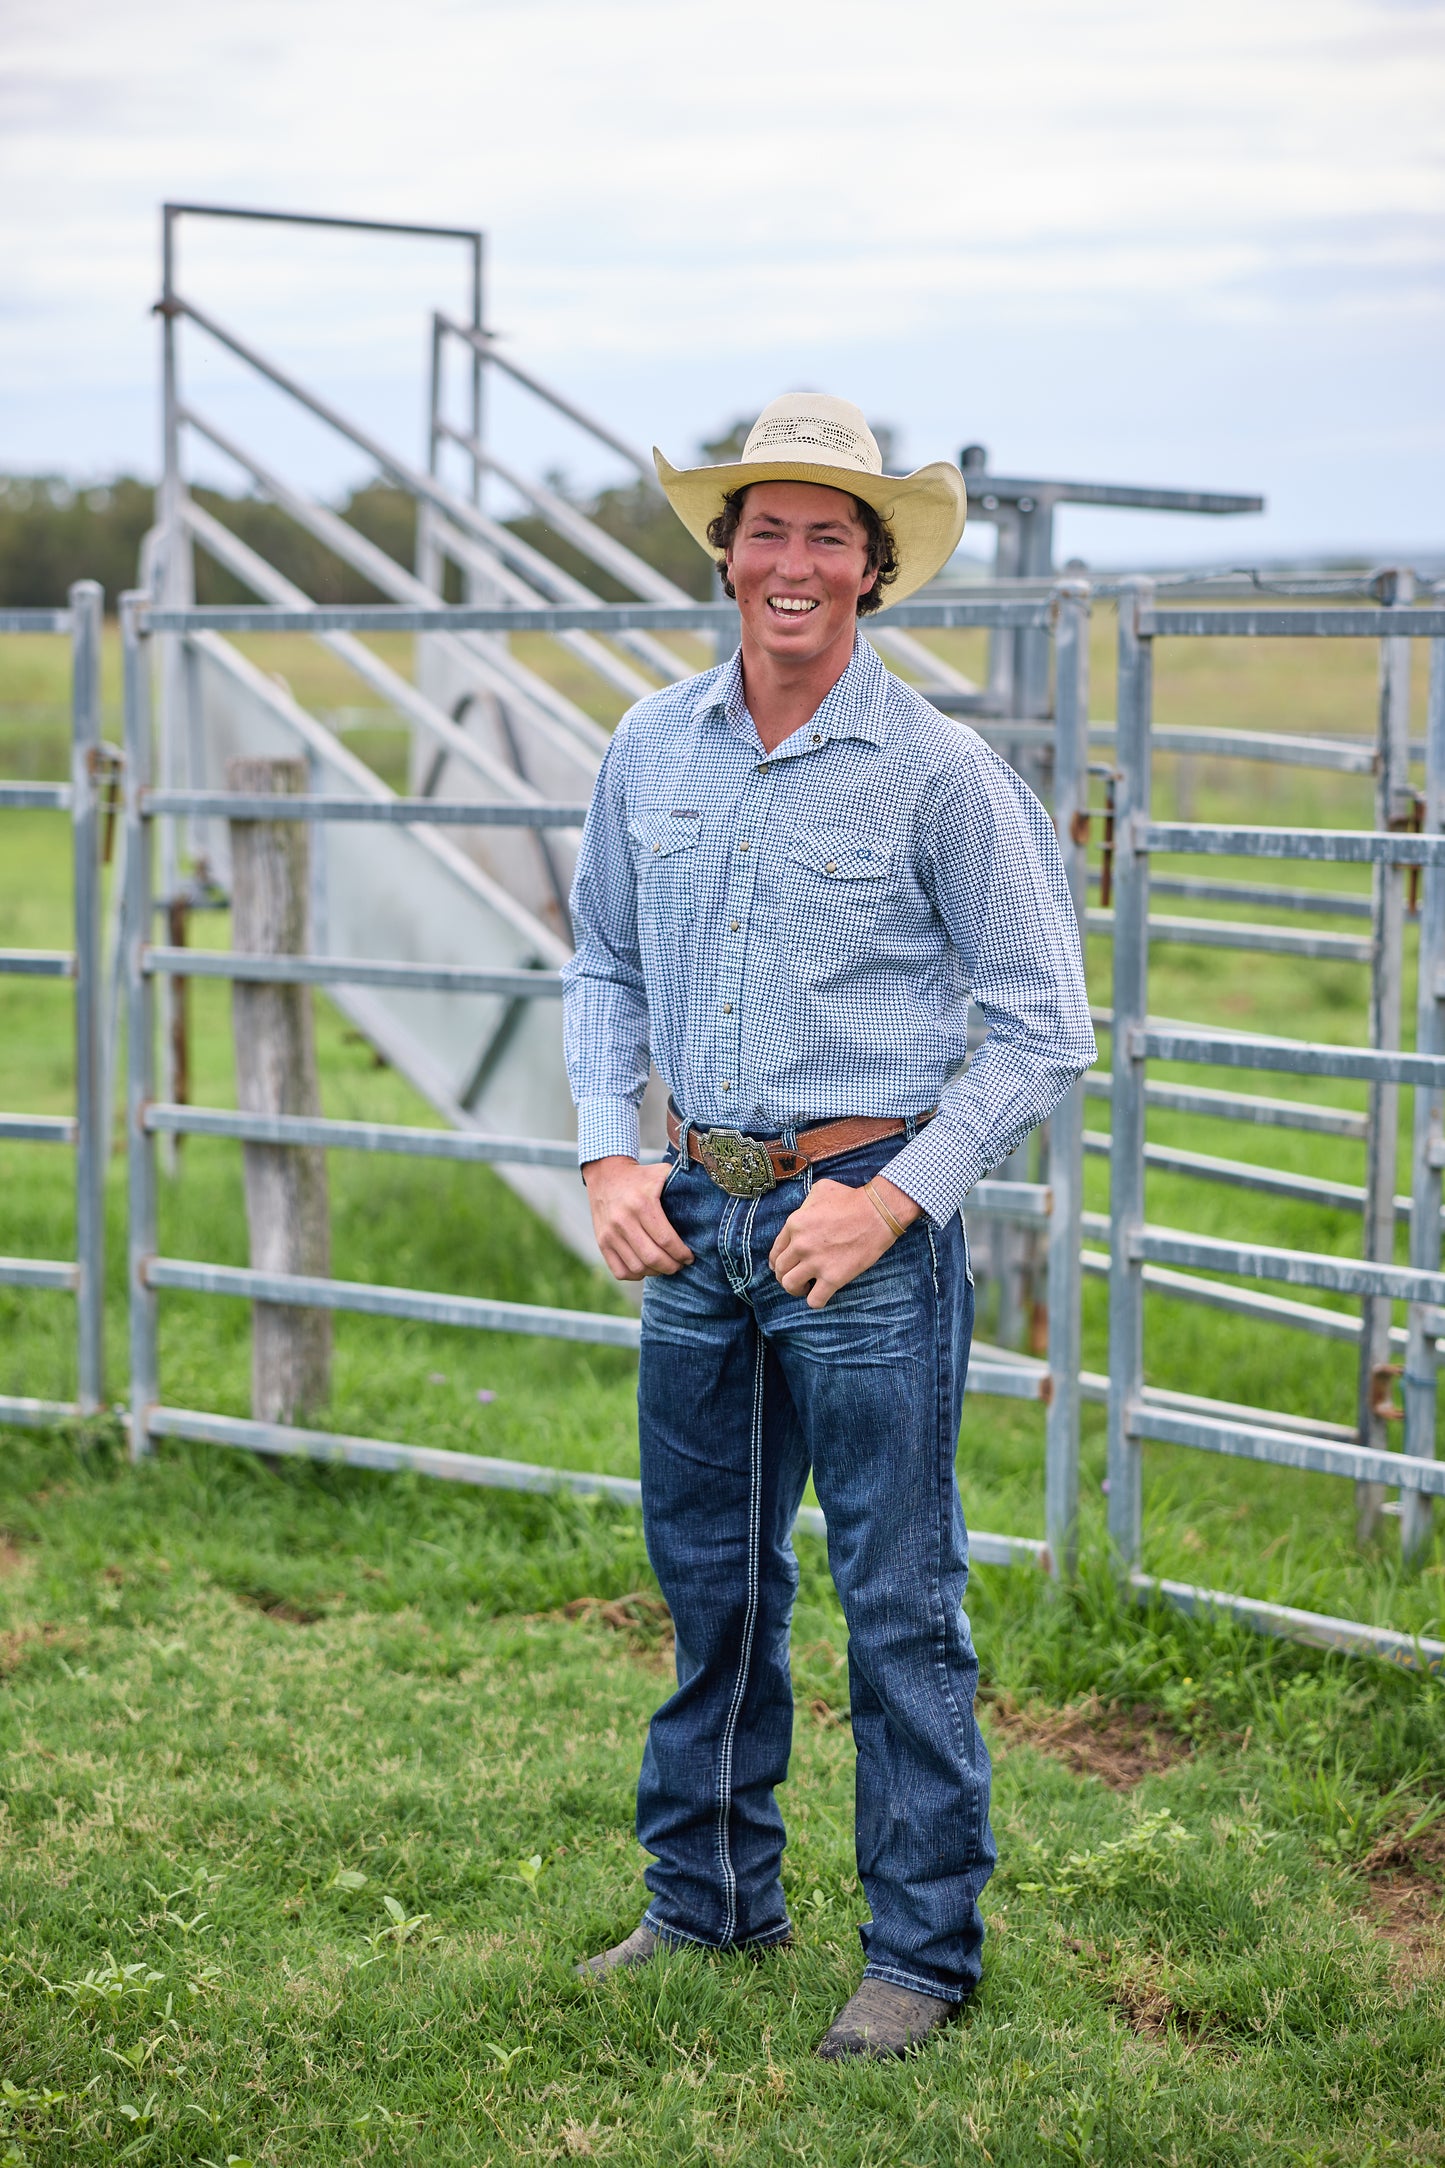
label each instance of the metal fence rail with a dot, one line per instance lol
(605, 617)
(1055, 1206)
(84, 1276)
(1138, 1251)
(351, 971)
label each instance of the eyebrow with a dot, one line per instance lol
(812, 526)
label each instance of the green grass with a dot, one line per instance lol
(234, 1693)
(231, 1692)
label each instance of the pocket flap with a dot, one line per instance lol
(658, 835)
(840, 854)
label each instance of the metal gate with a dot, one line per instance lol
(84, 1130)
(1138, 1251)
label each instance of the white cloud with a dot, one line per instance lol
(668, 183)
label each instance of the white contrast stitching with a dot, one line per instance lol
(899, 1978)
(725, 1758)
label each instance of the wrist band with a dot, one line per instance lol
(899, 1231)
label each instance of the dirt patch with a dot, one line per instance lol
(1413, 1855)
(1139, 1995)
(1120, 1746)
(1144, 2004)
(284, 1608)
(1406, 1882)
(642, 1619)
(1409, 1914)
(638, 1612)
(12, 1559)
(1135, 1987)
(19, 1643)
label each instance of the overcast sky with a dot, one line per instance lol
(1130, 240)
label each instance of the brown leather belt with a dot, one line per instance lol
(750, 1166)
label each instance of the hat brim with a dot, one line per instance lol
(926, 509)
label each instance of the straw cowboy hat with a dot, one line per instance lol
(809, 437)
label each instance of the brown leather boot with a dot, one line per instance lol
(639, 1949)
(883, 2020)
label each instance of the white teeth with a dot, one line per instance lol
(794, 605)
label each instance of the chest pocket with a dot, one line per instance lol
(832, 888)
(666, 850)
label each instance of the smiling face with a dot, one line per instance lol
(798, 563)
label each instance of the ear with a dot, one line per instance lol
(869, 582)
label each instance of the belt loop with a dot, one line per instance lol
(910, 1127)
(790, 1139)
(684, 1141)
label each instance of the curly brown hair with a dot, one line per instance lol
(882, 549)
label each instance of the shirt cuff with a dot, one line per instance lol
(934, 1172)
(606, 1128)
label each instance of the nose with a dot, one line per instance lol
(797, 559)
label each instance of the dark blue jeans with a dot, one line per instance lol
(744, 1390)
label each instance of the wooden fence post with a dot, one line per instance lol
(287, 1207)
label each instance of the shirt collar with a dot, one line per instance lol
(854, 708)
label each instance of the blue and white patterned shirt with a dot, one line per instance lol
(794, 936)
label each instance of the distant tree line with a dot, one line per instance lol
(52, 533)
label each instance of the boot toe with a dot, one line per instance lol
(639, 1948)
(883, 2020)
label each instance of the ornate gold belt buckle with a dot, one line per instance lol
(738, 1164)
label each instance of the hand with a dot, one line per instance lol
(634, 1234)
(835, 1234)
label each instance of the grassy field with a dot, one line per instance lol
(315, 1782)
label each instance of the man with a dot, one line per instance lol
(793, 876)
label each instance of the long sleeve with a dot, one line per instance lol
(605, 1002)
(998, 884)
